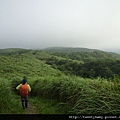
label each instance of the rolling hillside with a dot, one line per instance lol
(88, 63)
(83, 52)
(19, 64)
(68, 49)
(59, 83)
(80, 50)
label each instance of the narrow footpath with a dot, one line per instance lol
(31, 109)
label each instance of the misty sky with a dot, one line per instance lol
(65, 23)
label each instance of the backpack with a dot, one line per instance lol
(24, 90)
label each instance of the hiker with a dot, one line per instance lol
(24, 90)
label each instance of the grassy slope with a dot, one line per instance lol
(68, 49)
(75, 94)
(22, 65)
(80, 96)
(80, 50)
(8, 102)
(12, 69)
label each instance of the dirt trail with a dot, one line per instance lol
(31, 109)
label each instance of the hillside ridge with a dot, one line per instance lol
(67, 50)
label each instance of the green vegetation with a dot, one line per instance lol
(47, 106)
(61, 84)
(8, 102)
(88, 63)
(78, 95)
(22, 65)
(68, 49)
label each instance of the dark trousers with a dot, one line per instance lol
(24, 101)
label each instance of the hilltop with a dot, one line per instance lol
(86, 53)
(20, 62)
(74, 49)
(68, 49)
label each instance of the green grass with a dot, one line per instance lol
(74, 95)
(52, 91)
(47, 106)
(8, 101)
(21, 65)
(81, 96)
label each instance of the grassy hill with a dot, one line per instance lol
(94, 63)
(83, 52)
(68, 49)
(85, 62)
(73, 94)
(22, 65)
(80, 50)
(9, 51)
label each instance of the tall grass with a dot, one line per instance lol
(22, 65)
(81, 96)
(47, 106)
(76, 94)
(8, 101)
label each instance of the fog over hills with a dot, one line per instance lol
(37, 24)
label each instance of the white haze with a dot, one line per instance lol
(64, 23)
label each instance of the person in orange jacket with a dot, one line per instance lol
(24, 90)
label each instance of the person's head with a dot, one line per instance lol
(24, 80)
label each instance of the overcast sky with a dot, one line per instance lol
(65, 23)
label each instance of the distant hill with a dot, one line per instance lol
(63, 51)
(68, 49)
(9, 51)
(73, 61)
(84, 51)
(114, 54)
